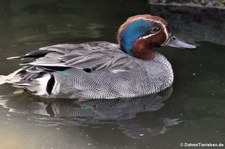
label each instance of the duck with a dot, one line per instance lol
(100, 69)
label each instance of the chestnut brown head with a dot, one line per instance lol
(141, 33)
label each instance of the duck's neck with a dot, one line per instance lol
(144, 55)
(143, 52)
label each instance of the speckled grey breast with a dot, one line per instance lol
(145, 78)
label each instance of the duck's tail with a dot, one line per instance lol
(3, 79)
(37, 82)
(11, 78)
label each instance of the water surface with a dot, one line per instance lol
(192, 111)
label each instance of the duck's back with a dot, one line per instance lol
(91, 70)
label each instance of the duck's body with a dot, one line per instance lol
(95, 70)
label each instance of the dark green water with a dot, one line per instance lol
(194, 113)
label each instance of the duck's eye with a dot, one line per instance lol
(154, 30)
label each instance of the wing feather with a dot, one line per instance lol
(95, 56)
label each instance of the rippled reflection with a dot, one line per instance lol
(99, 111)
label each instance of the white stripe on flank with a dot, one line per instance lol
(47, 64)
(56, 88)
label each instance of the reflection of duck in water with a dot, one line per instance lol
(98, 111)
(102, 70)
